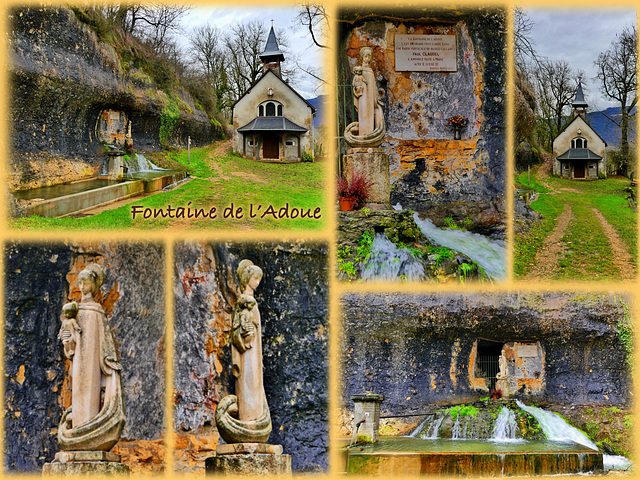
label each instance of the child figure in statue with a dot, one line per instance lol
(70, 330)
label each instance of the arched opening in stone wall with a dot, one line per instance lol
(487, 361)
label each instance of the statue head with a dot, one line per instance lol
(90, 279)
(70, 310)
(249, 275)
(366, 54)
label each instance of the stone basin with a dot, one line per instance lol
(74, 197)
(394, 456)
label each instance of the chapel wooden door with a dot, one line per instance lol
(271, 146)
(578, 170)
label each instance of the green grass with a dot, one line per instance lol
(530, 183)
(589, 254)
(261, 185)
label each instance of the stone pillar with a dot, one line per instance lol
(374, 164)
(86, 462)
(248, 459)
(367, 408)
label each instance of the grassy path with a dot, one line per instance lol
(588, 233)
(259, 196)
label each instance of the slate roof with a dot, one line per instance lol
(579, 154)
(579, 101)
(573, 120)
(271, 50)
(271, 124)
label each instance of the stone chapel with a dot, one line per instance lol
(578, 150)
(271, 121)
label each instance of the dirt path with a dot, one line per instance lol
(220, 150)
(621, 257)
(546, 263)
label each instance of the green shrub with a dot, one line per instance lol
(306, 156)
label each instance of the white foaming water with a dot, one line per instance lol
(491, 255)
(432, 434)
(387, 262)
(555, 428)
(139, 163)
(505, 429)
(616, 462)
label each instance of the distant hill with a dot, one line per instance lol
(603, 123)
(319, 103)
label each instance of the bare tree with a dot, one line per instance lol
(208, 49)
(158, 22)
(617, 69)
(555, 85)
(523, 45)
(314, 17)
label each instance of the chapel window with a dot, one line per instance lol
(270, 109)
(579, 142)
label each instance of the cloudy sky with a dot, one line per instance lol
(578, 36)
(298, 37)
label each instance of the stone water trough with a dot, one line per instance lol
(494, 438)
(75, 197)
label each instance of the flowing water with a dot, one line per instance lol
(139, 163)
(555, 428)
(491, 255)
(387, 262)
(505, 429)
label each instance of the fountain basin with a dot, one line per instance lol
(75, 197)
(395, 456)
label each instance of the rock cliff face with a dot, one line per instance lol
(432, 173)
(62, 80)
(39, 280)
(293, 302)
(420, 351)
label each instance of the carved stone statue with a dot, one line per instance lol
(244, 417)
(502, 362)
(96, 417)
(369, 130)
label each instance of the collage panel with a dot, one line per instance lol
(576, 144)
(84, 336)
(496, 384)
(153, 117)
(422, 129)
(251, 358)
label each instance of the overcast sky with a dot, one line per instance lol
(298, 37)
(578, 36)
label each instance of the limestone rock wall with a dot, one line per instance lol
(293, 301)
(416, 350)
(38, 279)
(62, 78)
(428, 168)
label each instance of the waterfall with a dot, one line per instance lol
(139, 163)
(491, 255)
(434, 427)
(555, 428)
(456, 434)
(505, 429)
(388, 262)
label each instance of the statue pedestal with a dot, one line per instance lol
(86, 462)
(374, 164)
(249, 459)
(502, 384)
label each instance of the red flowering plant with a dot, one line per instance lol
(357, 188)
(458, 121)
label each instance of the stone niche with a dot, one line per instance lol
(111, 127)
(427, 166)
(525, 367)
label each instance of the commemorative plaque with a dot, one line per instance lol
(426, 53)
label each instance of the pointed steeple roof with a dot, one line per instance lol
(272, 52)
(579, 101)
